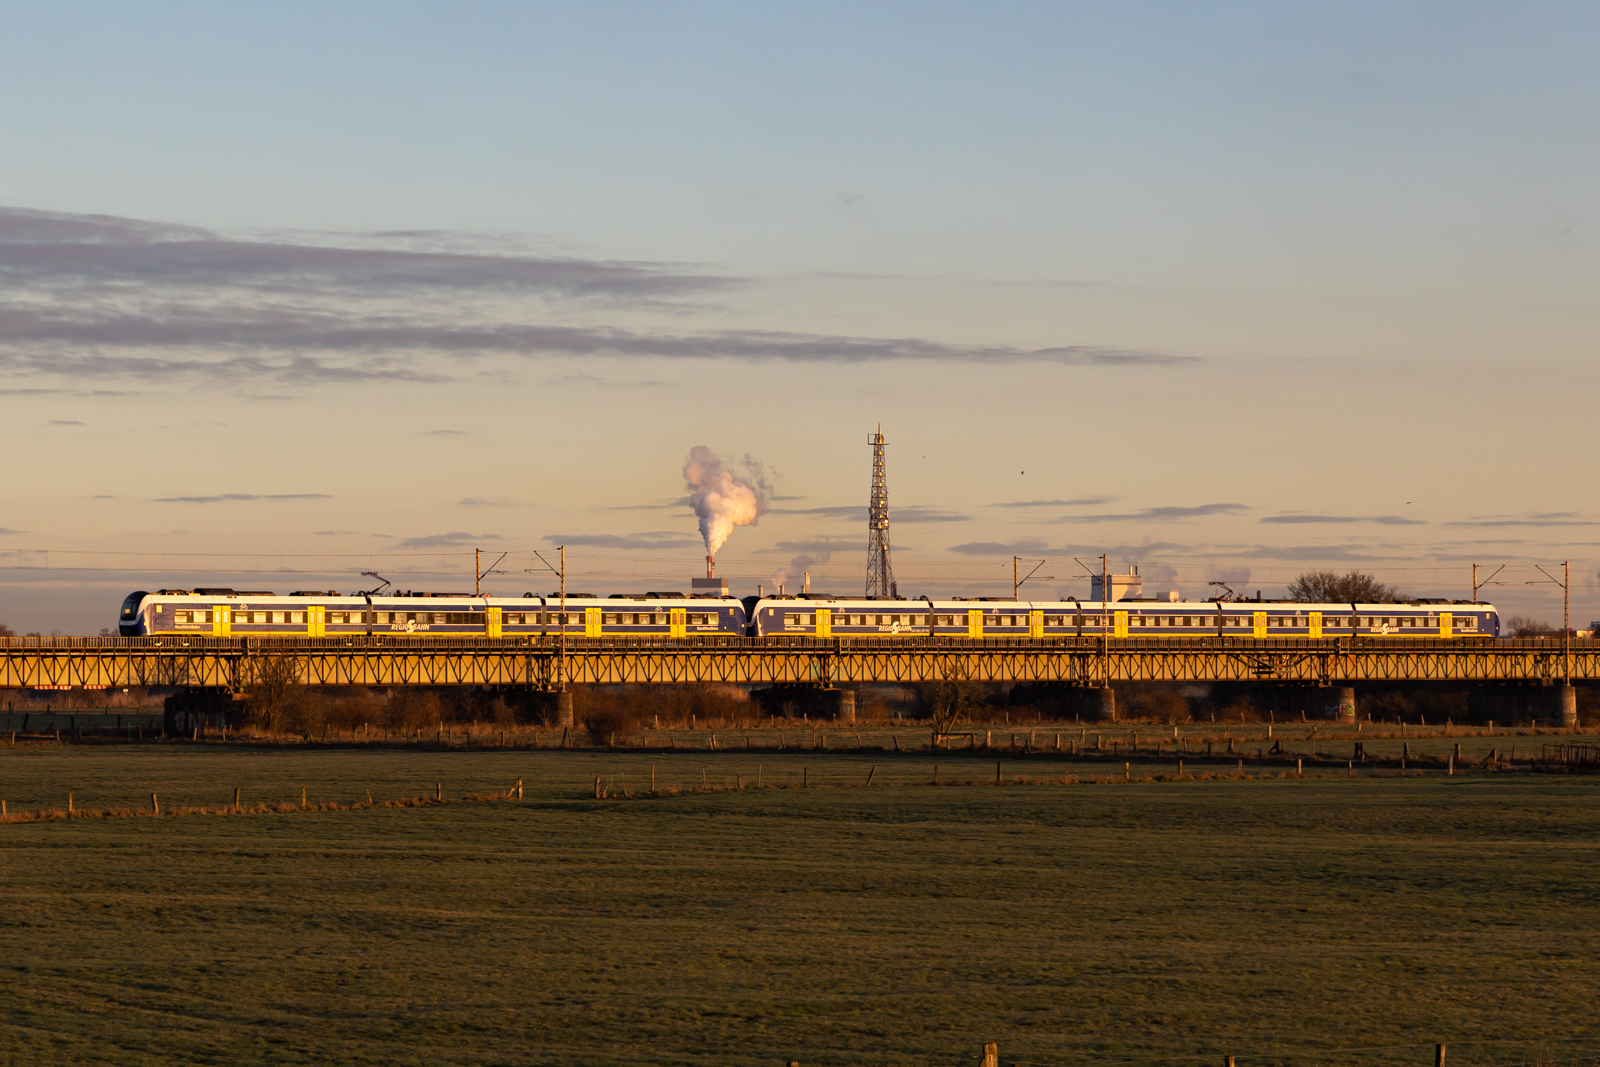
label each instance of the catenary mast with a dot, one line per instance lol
(880, 574)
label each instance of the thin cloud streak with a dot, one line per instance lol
(1548, 518)
(56, 250)
(1380, 520)
(457, 539)
(222, 498)
(1161, 514)
(178, 326)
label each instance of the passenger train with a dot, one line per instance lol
(216, 612)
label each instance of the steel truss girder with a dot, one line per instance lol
(229, 663)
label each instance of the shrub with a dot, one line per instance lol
(412, 709)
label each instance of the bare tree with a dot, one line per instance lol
(272, 690)
(1523, 626)
(951, 700)
(1326, 587)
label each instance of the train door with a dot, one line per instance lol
(1447, 624)
(1316, 624)
(1260, 619)
(824, 622)
(591, 622)
(1120, 621)
(221, 621)
(1035, 624)
(974, 623)
(316, 621)
(678, 622)
(491, 622)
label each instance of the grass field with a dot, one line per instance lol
(1278, 919)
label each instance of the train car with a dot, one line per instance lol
(216, 612)
(821, 615)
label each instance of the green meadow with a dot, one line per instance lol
(1282, 920)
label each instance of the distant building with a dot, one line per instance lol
(1122, 586)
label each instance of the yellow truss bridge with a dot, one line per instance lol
(549, 663)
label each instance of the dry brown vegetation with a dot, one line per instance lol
(280, 808)
(607, 710)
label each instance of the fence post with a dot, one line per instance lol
(991, 1055)
(1438, 1055)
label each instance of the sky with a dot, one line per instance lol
(1226, 292)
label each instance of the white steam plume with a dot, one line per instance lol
(721, 498)
(796, 569)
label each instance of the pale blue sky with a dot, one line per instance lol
(1252, 261)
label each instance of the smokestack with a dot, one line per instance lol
(808, 581)
(711, 566)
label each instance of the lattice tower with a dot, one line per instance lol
(880, 574)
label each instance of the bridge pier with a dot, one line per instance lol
(1346, 710)
(204, 708)
(1090, 704)
(1566, 707)
(548, 707)
(1105, 706)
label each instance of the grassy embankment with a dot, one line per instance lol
(1143, 923)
